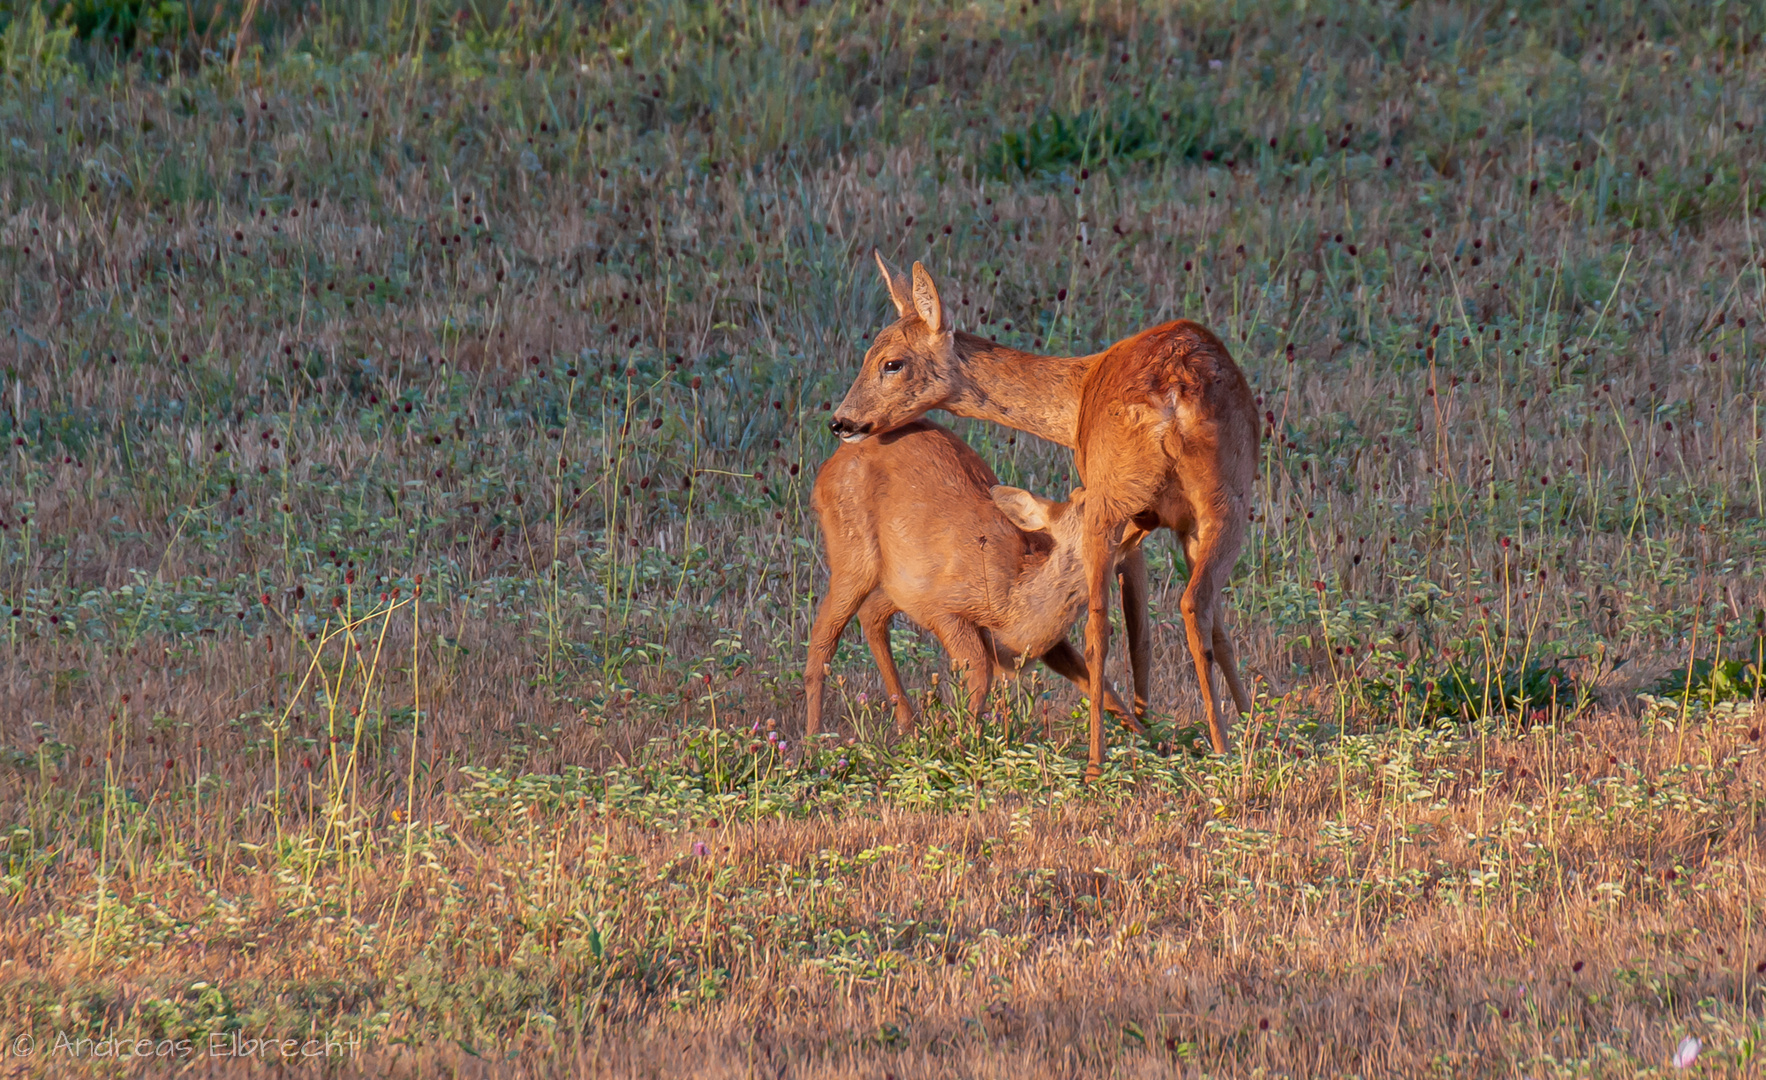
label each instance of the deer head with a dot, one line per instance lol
(911, 367)
(1049, 593)
(1033, 513)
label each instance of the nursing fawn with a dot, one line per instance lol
(915, 522)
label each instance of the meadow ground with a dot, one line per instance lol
(406, 561)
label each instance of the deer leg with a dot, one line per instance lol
(874, 616)
(1228, 661)
(971, 657)
(1098, 555)
(1199, 599)
(843, 599)
(1131, 577)
(1066, 662)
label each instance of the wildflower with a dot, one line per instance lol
(700, 849)
(1687, 1052)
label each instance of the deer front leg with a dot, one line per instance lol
(971, 657)
(1131, 576)
(1098, 554)
(1065, 661)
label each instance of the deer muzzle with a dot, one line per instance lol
(847, 431)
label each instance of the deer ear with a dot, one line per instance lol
(926, 301)
(901, 291)
(1028, 512)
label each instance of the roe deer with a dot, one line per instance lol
(914, 521)
(1163, 430)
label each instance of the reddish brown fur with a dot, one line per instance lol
(913, 522)
(1164, 432)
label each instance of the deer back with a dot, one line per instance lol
(914, 507)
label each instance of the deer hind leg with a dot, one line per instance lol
(1200, 598)
(1066, 662)
(1098, 553)
(1228, 662)
(845, 594)
(1131, 577)
(874, 616)
(971, 657)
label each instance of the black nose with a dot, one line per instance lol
(842, 428)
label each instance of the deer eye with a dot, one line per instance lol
(891, 367)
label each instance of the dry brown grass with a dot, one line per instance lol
(1317, 920)
(489, 867)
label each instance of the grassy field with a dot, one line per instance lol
(406, 563)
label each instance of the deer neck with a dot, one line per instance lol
(1045, 599)
(1032, 393)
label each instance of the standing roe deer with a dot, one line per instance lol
(914, 521)
(1164, 432)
